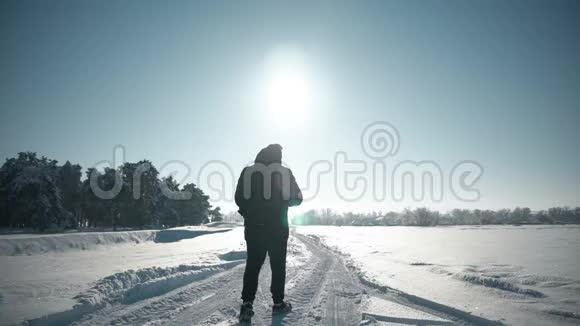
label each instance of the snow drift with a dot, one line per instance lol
(40, 244)
(131, 286)
(36, 244)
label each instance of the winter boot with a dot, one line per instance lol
(281, 308)
(246, 311)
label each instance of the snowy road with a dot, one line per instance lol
(322, 290)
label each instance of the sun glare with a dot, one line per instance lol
(288, 89)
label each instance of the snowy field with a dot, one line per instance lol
(47, 274)
(517, 275)
(527, 275)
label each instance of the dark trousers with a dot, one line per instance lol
(261, 241)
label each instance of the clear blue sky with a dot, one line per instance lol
(497, 82)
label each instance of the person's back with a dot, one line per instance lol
(264, 192)
(266, 189)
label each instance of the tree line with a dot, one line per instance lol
(37, 192)
(426, 217)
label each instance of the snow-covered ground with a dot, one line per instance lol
(82, 277)
(193, 275)
(46, 274)
(528, 275)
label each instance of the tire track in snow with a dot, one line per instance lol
(332, 295)
(322, 292)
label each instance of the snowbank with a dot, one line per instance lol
(35, 244)
(131, 286)
(39, 244)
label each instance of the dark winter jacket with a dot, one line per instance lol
(266, 189)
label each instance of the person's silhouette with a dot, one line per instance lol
(264, 192)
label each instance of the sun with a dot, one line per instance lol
(288, 91)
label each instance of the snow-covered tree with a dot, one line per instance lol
(32, 193)
(216, 215)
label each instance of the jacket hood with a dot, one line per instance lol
(269, 154)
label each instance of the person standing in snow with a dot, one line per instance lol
(264, 192)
